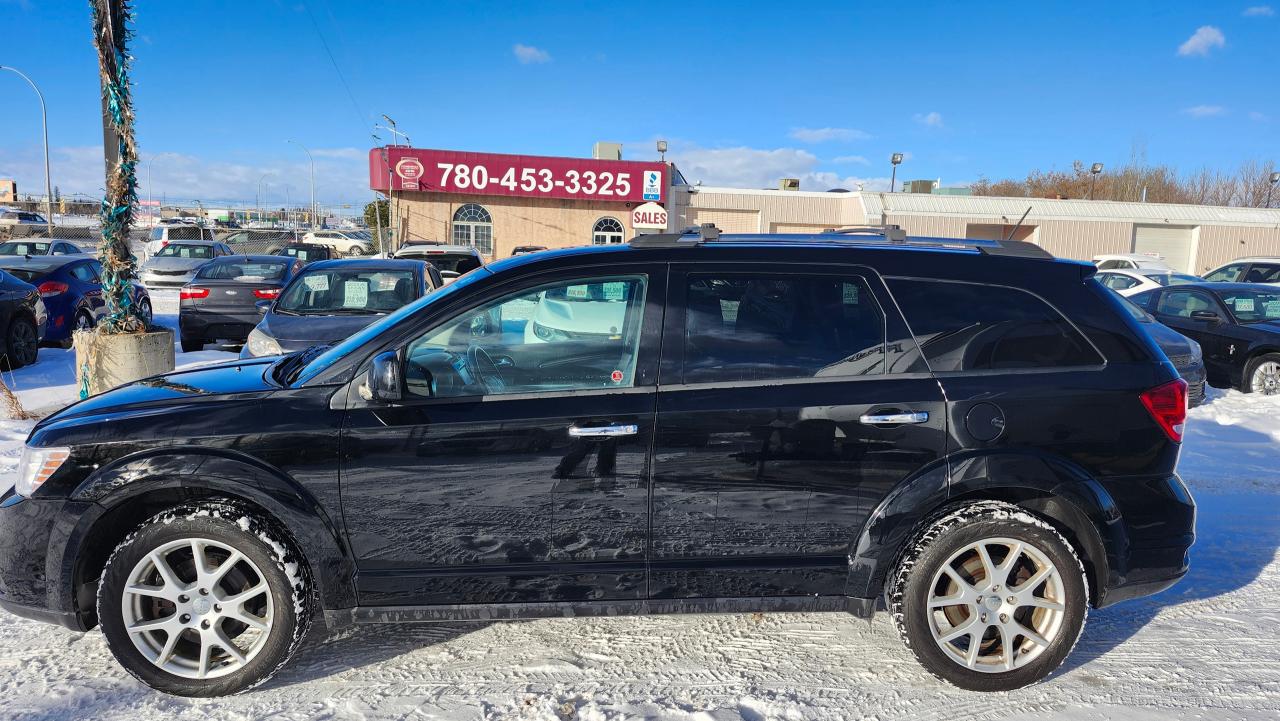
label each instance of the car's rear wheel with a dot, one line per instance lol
(145, 311)
(191, 345)
(204, 600)
(989, 597)
(1263, 375)
(21, 343)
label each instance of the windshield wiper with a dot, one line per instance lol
(282, 311)
(288, 367)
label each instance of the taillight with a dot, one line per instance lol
(50, 288)
(267, 293)
(1167, 404)
(193, 293)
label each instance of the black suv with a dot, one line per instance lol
(971, 432)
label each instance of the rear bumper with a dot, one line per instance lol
(217, 325)
(1159, 517)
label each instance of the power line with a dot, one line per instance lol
(333, 61)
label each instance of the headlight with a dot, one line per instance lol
(37, 465)
(1196, 352)
(548, 333)
(261, 344)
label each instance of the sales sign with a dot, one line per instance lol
(449, 171)
(649, 216)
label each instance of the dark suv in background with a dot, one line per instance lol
(971, 432)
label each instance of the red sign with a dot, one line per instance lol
(649, 216)
(450, 171)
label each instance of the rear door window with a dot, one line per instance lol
(1263, 273)
(971, 327)
(1115, 281)
(1182, 303)
(1227, 274)
(769, 327)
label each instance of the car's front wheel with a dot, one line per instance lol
(191, 345)
(204, 600)
(21, 343)
(989, 597)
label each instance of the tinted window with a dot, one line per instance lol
(964, 326)
(1174, 278)
(1182, 303)
(184, 232)
(1117, 281)
(1143, 300)
(1114, 264)
(249, 272)
(1259, 273)
(1227, 274)
(526, 338)
(753, 327)
(83, 272)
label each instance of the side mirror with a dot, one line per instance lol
(1206, 315)
(384, 383)
(263, 306)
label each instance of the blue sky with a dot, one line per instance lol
(745, 92)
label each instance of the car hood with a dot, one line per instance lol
(295, 332)
(240, 379)
(174, 263)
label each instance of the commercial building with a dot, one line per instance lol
(497, 202)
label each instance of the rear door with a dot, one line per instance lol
(789, 404)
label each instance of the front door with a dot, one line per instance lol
(790, 403)
(1182, 309)
(515, 468)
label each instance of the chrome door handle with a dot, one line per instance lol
(894, 419)
(611, 431)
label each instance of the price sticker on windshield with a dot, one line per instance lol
(316, 283)
(355, 293)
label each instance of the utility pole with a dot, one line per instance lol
(44, 124)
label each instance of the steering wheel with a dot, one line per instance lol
(486, 371)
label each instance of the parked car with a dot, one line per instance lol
(1135, 280)
(807, 422)
(41, 246)
(1237, 325)
(308, 252)
(171, 230)
(1184, 353)
(348, 242)
(13, 216)
(329, 300)
(23, 318)
(70, 287)
(256, 241)
(1128, 261)
(523, 249)
(1247, 270)
(451, 260)
(220, 302)
(174, 265)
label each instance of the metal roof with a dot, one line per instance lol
(1010, 209)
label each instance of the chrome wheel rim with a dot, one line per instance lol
(996, 605)
(197, 608)
(1266, 378)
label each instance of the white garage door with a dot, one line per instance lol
(1172, 244)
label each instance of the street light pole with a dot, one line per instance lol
(1093, 171)
(44, 124)
(1275, 178)
(313, 179)
(895, 160)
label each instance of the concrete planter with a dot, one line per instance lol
(114, 360)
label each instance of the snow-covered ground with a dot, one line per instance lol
(1209, 648)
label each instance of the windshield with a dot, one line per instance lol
(1174, 278)
(348, 290)
(174, 250)
(446, 262)
(16, 247)
(1138, 314)
(1252, 306)
(336, 353)
(247, 271)
(25, 274)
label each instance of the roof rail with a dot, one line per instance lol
(707, 234)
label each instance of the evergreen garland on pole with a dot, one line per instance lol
(111, 36)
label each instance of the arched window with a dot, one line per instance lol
(472, 225)
(606, 231)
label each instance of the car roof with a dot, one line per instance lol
(367, 263)
(44, 263)
(256, 258)
(1253, 259)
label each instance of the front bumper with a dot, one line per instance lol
(35, 572)
(1159, 517)
(232, 327)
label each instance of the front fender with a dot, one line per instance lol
(199, 472)
(1079, 505)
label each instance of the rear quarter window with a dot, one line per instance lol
(971, 327)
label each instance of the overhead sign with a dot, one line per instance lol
(450, 171)
(649, 216)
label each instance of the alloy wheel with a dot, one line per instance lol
(1266, 378)
(24, 344)
(197, 608)
(996, 605)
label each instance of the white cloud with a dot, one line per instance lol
(1205, 38)
(528, 54)
(1258, 117)
(743, 167)
(1258, 11)
(929, 120)
(822, 135)
(1204, 111)
(848, 159)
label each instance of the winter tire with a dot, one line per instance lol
(145, 311)
(1262, 375)
(205, 599)
(21, 343)
(191, 345)
(989, 597)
